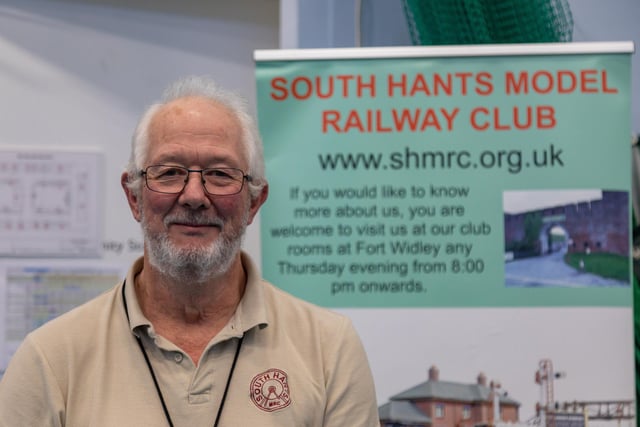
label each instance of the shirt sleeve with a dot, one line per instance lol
(29, 392)
(351, 397)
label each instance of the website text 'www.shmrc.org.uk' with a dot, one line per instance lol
(513, 160)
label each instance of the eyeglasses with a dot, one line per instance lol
(170, 179)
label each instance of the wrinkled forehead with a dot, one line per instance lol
(196, 116)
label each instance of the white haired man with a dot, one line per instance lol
(193, 336)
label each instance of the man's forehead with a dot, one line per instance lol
(194, 115)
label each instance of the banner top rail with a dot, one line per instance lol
(443, 51)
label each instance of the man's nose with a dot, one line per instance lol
(194, 194)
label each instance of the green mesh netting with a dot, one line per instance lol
(438, 22)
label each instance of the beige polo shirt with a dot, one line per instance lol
(298, 365)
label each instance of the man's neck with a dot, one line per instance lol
(189, 314)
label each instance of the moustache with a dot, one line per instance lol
(192, 218)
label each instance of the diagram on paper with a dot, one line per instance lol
(49, 203)
(31, 296)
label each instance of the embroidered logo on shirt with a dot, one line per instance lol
(270, 390)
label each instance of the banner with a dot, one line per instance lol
(493, 177)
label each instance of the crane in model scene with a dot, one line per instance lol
(544, 378)
(550, 413)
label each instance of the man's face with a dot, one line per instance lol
(192, 229)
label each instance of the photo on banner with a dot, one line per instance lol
(478, 196)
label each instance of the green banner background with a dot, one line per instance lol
(352, 181)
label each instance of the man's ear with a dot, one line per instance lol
(257, 202)
(132, 197)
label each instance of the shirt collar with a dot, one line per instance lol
(251, 311)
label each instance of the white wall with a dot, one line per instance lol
(79, 73)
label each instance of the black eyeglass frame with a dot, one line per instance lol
(245, 177)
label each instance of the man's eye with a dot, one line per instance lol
(169, 173)
(218, 174)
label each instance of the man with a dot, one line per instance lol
(192, 337)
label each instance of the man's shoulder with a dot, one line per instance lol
(283, 303)
(282, 306)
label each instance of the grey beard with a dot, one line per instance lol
(192, 265)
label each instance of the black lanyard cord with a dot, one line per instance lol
(155, 380)
(226, 387)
